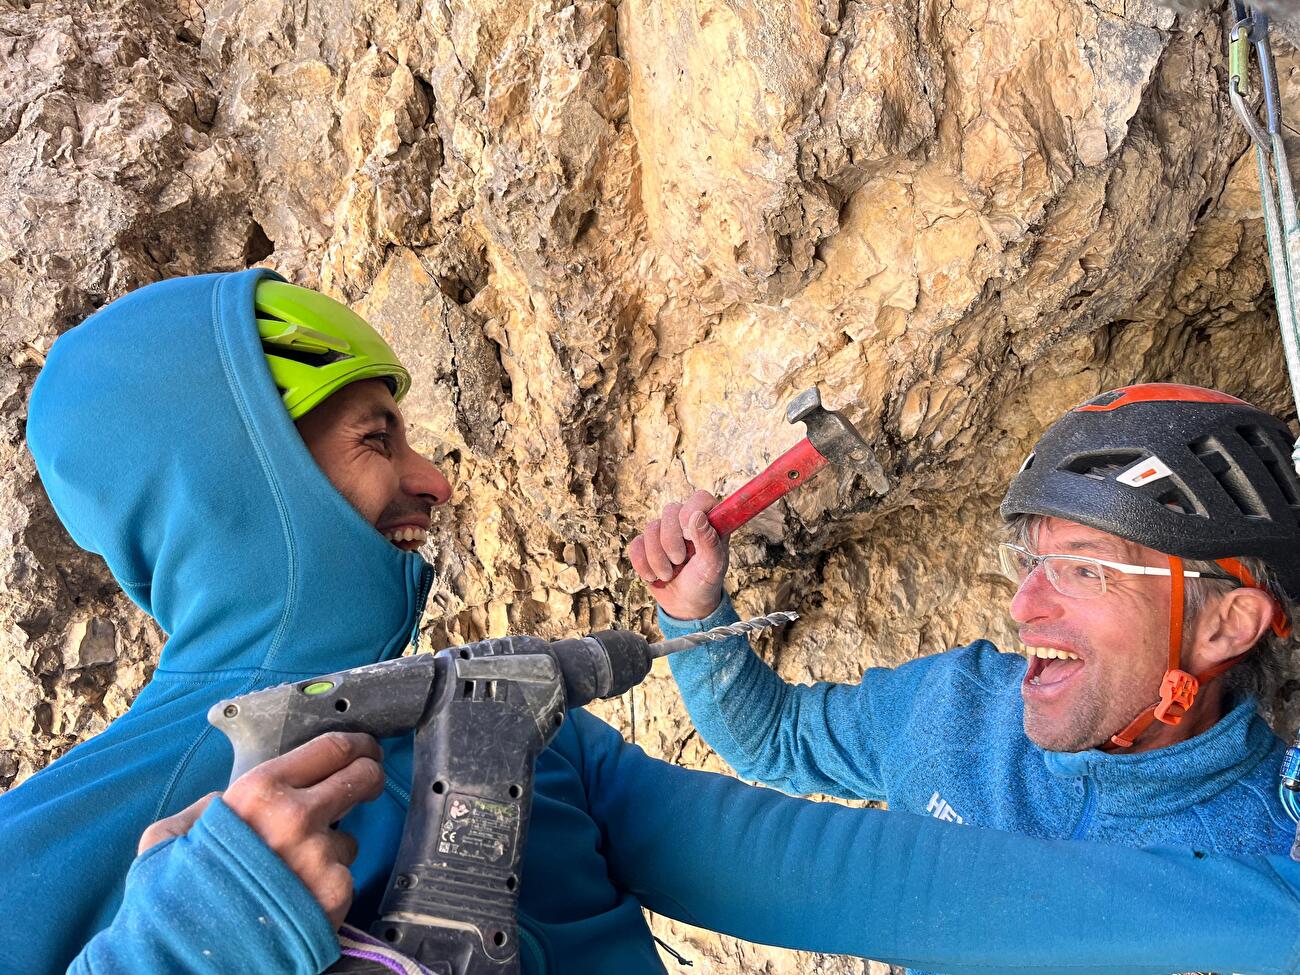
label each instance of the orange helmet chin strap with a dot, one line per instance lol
(1178, 688)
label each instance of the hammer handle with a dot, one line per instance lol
(797, 465)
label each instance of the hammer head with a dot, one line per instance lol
(836, 439)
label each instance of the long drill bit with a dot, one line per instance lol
(720, 633)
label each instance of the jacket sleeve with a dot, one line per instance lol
(215, 900)
(914, 891)
(801, 739)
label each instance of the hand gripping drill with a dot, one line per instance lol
(481, 714)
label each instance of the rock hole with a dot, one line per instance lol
(585, 223)
(258, 246)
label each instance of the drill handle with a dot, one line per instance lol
(453, 895)
(384, 700)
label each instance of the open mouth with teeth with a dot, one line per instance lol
(1049, 667)
(407, 537)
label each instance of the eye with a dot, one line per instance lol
(1088, 571)
(381, 440)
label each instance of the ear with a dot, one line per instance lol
(1229, 625)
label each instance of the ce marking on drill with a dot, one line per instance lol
(478, 829)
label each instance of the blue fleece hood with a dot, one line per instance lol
(164, 446)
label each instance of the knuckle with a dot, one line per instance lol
(318, 850)
(253, 790)
(338, 744)
(292, 817)
(345, 847)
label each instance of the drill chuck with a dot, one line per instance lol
(610, 662)
(601, 665)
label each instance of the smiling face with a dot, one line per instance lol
(1120, 639)
(358, 439)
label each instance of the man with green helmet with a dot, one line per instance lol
(164, 431)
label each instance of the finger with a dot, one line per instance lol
(702, 535)
(670, 534)
(178, 824)
(699, 501)
(332, 799)
(636, 552)
(343, 846)
(334, 890)
(318, 759)
(660, 564)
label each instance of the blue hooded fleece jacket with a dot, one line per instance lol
(164, 447)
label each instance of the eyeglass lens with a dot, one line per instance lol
(1070, 575)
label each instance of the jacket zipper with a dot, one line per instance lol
(398, 792)
(1089, 806)
(426, 583)
(532, 949)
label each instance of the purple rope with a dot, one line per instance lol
(391, 959)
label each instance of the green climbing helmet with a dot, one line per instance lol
(316, 346)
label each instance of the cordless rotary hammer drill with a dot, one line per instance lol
(481, 714)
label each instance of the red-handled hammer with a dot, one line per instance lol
(831, 440)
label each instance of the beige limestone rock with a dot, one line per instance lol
(611, 240)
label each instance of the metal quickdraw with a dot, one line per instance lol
(1282, 232)
(1281, 224)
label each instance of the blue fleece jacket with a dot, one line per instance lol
(164, 447)
(943, 736)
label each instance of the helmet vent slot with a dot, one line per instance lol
(316, 359)
(1275, 460)
(1231, 478)
(1175, 500)
(1100, 466)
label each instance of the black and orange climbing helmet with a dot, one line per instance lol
(1186, 471)
(1190, 472)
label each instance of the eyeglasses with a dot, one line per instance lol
(1077, 576)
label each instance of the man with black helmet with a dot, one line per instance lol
(1154, 540)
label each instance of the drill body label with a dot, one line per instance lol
(478, 829)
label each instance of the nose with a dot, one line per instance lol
(421, 479)
(1036, 599)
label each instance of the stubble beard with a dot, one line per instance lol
(1078, 730)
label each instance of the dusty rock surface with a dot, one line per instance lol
(612, 240)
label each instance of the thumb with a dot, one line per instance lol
(175, 825)
(710, 550)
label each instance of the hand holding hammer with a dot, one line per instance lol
(683, 554)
